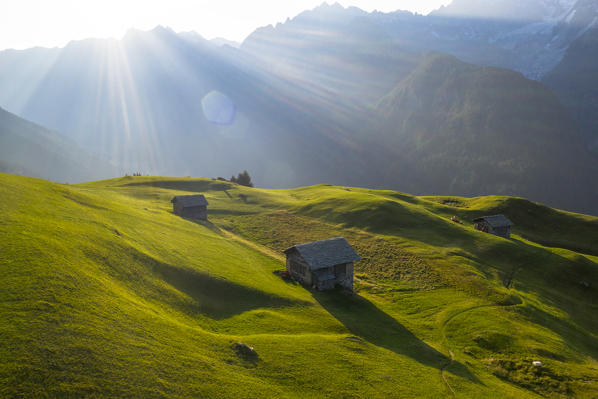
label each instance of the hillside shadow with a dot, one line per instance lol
(556, 280)
(204, 223)
(215, 297)
(366, 321)
(404, 197)
(571, 333)
(185, 185)
(230, 212)
(391, 218)
(83, 201)
(568, 284)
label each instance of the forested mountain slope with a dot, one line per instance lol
(575, 81)
(459, 128)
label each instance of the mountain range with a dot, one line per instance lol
(457, 102)
(31, 150)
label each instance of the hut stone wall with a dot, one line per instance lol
(300, 271)
(190, 206)
(323, 264)
(502, 231)
(344, 275)
(194, 212)
(298, 268)
(485, 227)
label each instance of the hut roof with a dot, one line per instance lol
(188, 201)
(327, 253)
(495, 221)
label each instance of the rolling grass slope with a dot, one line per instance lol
(106, 293)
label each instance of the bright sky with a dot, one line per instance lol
(50, 23)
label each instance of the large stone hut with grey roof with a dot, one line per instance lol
(323, 264)
(499, 225)
(191, 206)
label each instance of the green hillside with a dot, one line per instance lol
(106, 293)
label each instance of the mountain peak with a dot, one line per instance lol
(327, 6)
(159, 31)
(513, 10)
(162, 30)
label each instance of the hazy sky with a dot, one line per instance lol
(49, 23)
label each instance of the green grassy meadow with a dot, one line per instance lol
(106, 293)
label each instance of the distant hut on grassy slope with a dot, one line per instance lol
(323, 264)
(191, 206)
(499, 225)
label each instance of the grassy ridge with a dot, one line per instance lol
(107, 293)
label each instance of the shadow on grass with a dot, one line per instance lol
(230, 212)
(215, 297)
(212, 296)
(195, 186)
(573, 334)
(204, 223)
(363, 319)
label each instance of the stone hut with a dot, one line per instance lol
(499, 225)
(323, 264)
(191, 206)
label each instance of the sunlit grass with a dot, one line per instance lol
(107, 293)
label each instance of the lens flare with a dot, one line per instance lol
(218, 108)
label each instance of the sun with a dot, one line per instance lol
(30, 23)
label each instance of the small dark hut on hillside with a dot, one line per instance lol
(191, 206)
(499, 225)
(323, 264)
